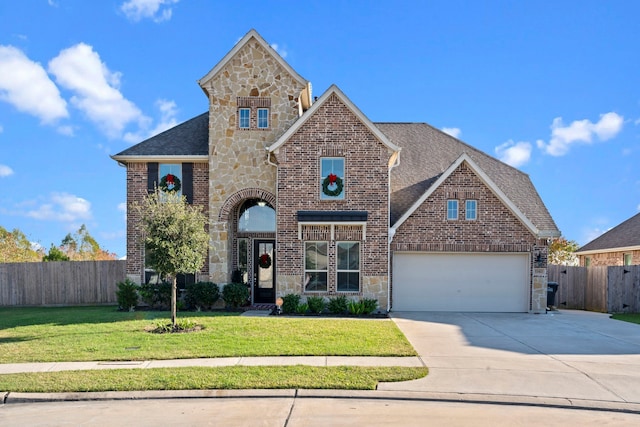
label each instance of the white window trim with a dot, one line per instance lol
(304, 288)
(341, 196)
(466, 210)
(240, 110)
(457, 210)
(349, 271)
(258, 118)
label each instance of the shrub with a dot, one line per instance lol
(182, 325)
(316, 304)
(370, 305)
(201, 295)
(156, 295)
(302, 308)
(235, 294)
(355, 307)
(290, 303)
(127, 295)
(338, 305)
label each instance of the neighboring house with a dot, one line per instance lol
(618, 246)
(310, 197)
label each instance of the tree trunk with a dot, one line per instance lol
(174, 286)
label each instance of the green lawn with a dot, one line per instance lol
(102, 334)
(627, 317)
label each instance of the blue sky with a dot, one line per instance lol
(551, 87)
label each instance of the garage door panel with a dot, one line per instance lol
(460, 282)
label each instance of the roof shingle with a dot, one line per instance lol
(624, 235)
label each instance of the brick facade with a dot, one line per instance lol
(334, 131)
(609, 258)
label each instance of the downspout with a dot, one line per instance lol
(390, 235)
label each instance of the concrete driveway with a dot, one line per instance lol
(566, 354)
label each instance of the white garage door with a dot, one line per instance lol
(460, 282)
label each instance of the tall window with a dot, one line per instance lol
(470, 211)
(348, 271)
(263, 118)
(315, 266)
(628, 258)
(332, 178)
(244, 121)
(452, 209)
(170, 177)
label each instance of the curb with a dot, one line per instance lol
(510, 400)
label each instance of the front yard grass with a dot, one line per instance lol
(627, 317)
(105, 334)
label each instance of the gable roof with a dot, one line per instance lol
(188, 140)
(334, 90)
(427, 153)
(464, 158)
(625, 236)
(252, 34)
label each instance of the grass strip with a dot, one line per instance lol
(627, 317)
(198, 378)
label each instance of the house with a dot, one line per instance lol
(308, 196)
(618, 246)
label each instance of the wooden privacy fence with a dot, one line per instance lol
(604, 289)
(60, 283)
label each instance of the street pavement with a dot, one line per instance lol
(562, 368)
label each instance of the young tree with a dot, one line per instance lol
(561, 252)
(175, 237)
(15, 247)
(55, 254)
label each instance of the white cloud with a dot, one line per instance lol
(281, 51)
(122, 207)
(454, 132)
(513, 153)
(580, 131)
(168, 113)
(65, 130)
(96, 89)
(26, 85)
(157, 10)
(62, 207)
(5, 171)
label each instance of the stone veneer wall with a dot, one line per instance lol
(496, 229)
(333, 131)
(610, 258)
(238, 157)
(136, 190)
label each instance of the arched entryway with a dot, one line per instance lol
(252, 239)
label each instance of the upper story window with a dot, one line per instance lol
(263, 118)
(170, 177)
(452, 210)
(471, 210)
(332, 178)
(254, 112)
(628, 259)
(244, 118)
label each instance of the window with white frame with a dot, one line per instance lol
(348, 267)
(628, 259)
(470, 210)
(263, 118)
(452, 209)
(332, 178)
(315, 266)
(244, 118)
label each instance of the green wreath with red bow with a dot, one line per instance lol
(170, 183)
(264, 261)
(331, 180)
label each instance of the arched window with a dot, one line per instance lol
(256, 215)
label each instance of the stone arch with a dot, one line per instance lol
(244, 194)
